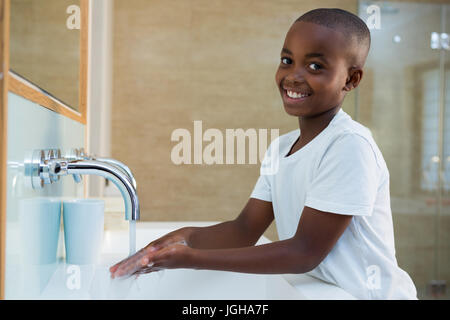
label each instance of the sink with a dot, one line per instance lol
(175, 284)
(188, 284)
(94, 282)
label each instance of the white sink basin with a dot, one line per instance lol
(186, 284)
(94, 282)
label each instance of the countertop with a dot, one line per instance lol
(59, 281)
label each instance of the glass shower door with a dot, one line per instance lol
(402, 99)
(443, 220)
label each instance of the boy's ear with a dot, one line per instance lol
(354, 78)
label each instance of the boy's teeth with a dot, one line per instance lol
(293, 94)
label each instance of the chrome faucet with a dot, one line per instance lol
(78, 154)
(46, 167)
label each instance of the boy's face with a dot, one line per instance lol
(314, 61)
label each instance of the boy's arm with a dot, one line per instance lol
(243, 231)
(316, 235)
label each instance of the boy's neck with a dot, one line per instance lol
(312, 126)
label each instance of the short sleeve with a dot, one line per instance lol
(269, 167)
(262, 189)
(346, 180)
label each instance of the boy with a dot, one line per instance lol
(329, 194)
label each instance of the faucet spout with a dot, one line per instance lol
(108, 171)
(79, 154)
(121, 166)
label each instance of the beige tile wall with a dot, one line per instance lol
(214, 61)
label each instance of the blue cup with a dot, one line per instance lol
(39, 225)
(83, 230)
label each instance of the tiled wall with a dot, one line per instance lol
(214, 61)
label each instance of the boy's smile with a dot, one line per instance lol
(313, 75)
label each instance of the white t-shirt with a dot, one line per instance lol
(341, 171)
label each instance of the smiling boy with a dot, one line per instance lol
(329, 195)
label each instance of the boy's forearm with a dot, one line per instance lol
(277, 257)
(227, 234)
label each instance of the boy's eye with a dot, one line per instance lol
(313, 66)
(316, 66)
(285, 59)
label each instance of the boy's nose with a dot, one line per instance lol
(294, 81)
(297, 74)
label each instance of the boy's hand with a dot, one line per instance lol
(173, 256)
(165, 252)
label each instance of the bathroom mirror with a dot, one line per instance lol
(45, 46)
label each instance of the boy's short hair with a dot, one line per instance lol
(346, 22)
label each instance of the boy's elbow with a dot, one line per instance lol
(304, 266)
(304, 260)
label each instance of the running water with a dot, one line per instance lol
(132, 231)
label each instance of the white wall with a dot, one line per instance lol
(30, 127)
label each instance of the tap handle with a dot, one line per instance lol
(38, 167)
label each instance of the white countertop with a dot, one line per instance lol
(179, 283)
